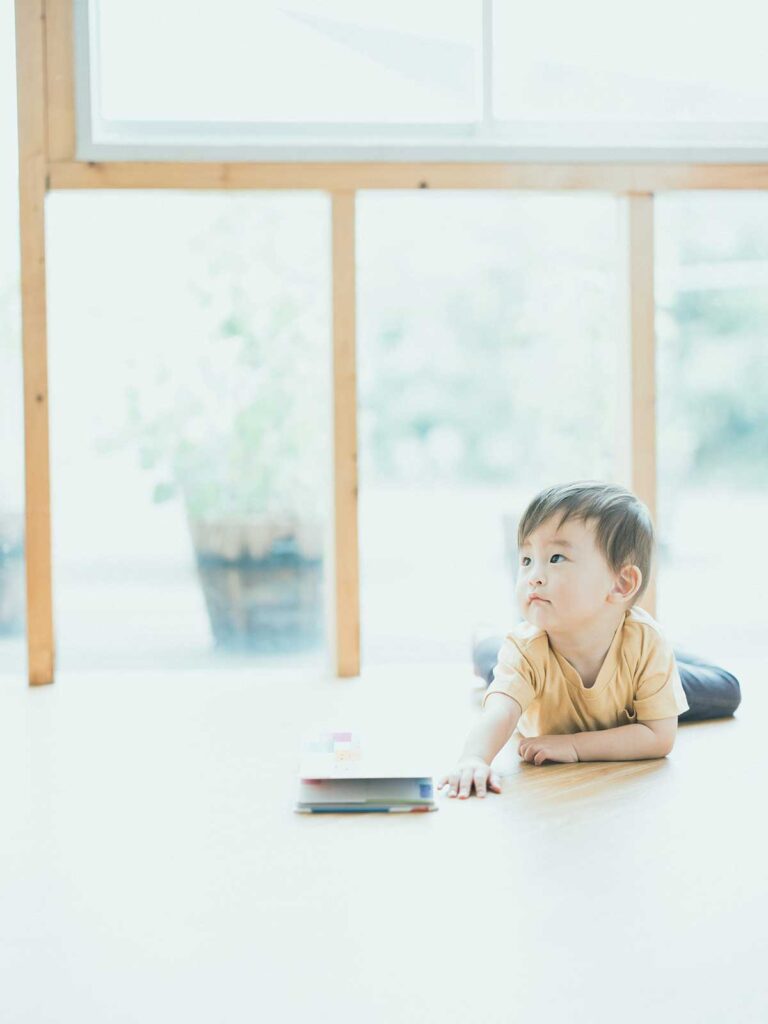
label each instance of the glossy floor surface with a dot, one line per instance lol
(152, 867)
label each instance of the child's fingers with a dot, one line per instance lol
(461, 783)
(452, 781)
(465, 786)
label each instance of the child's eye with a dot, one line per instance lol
(526, 559)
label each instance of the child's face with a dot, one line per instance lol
(565, 568)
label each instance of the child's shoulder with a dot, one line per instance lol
(641, 616)
(641, 627)
(524, 633)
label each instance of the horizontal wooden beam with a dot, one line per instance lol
(622, 178)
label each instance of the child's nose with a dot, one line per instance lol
(535, 574)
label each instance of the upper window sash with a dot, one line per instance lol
(482, 140)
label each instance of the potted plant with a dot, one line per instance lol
(238, 433)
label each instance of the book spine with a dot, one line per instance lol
(363, 810)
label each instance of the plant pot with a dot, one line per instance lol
(263, 583)
(12, 590)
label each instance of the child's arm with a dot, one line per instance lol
(625, 743)
(628, 742)
(497, 723)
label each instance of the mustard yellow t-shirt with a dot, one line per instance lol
(638, 681)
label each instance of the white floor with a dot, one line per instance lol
(152, 868)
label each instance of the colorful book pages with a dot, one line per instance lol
(336, 775)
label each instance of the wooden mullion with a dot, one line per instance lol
(60, 79)
(345, 486)
(642, 318)
(30, 57)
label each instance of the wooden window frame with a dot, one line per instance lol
(47, 161)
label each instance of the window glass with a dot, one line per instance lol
(712, 322)
(598, 61)
(290, 62)
(13, 653)
(188, 356)
(488, 369)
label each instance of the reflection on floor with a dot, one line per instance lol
(153, 869)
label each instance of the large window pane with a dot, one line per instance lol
(189, 345)
(273, 62)
(489, 349)
(594, 61)
(12, 583)
(712, 324)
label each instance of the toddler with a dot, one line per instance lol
(587, 675)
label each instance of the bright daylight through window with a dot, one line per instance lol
(468, 79)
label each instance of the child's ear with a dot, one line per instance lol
(627, 584)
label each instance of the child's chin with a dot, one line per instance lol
(538, 613)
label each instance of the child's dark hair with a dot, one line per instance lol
(623, 527)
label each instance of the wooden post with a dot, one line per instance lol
(642, 317)
(30, 64)
(346, 556)
(60, 79)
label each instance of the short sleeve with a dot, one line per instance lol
(658, 690)
(513, 674)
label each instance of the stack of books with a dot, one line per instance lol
(336, 775)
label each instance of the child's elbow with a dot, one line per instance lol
(664, 735)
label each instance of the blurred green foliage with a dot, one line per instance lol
(241, 429)
(714, 384)
(486, 350)
(486, 340)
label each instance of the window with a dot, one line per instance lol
(12, 566)
(290, 63)
(190, 450)
(712, 322)
(672, 71)
(488, 369)
(457, 80)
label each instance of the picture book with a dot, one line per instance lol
(339, 774)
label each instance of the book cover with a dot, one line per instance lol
(338, 773)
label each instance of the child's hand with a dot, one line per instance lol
(469, 771)
(548, 748)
